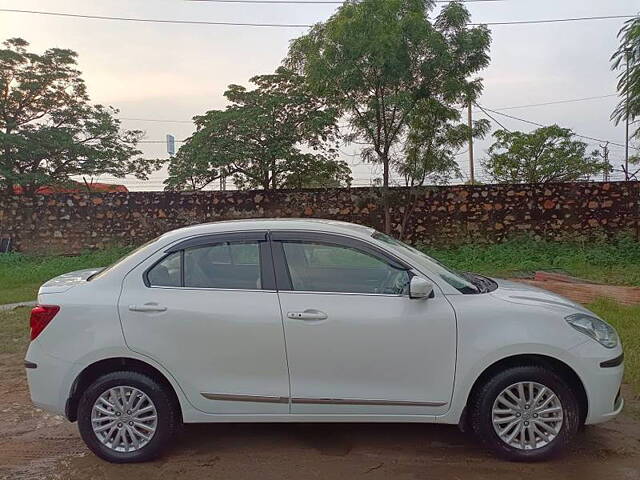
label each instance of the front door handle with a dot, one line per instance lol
(148, 307)
(308, 315)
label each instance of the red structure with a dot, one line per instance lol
(76, 187)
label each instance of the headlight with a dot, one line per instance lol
(600, 331)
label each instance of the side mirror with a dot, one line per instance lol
(420, 288)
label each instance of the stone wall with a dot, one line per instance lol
(68, 223)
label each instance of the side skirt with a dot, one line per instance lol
(194, 416)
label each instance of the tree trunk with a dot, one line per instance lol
(408, 212)
(385, 194)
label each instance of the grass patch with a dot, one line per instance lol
(626, 321)
(21, 275)
(14, 330)
(615, 263)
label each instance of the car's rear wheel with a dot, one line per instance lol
(127, 417)
(525, 413)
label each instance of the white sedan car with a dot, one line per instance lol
(313, 321)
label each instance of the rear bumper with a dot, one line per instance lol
(48, 384)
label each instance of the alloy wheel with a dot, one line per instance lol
(527, 415)
(124, 419)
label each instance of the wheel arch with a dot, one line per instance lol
(92, 372)
(553, 364)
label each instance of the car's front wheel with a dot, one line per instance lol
(127, 417)
(525, 413)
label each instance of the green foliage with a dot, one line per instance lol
(611, 262)
(277, 135)
(377, 61)
(548, 154)
(48, 129)
(14, 330)
(628, 54)
(21, 275)
(433, 141)
(625, 320)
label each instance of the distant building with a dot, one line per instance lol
(75, 187)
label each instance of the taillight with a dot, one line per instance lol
(41, 315)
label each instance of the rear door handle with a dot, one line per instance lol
(148, 307)
(308, 315)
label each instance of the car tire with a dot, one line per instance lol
(134, 435)
(548, 422)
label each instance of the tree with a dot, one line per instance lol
(375, 60)
(434, 140)
(548, 154)
(628, 57)
(48, 129)
(277, 135)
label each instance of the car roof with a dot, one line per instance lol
(304, 224)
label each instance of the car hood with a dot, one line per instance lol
(64, 282)
(524, 294)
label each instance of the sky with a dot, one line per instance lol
(154, 72)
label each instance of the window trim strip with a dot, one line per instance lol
(363, 401)
(305, 236)
(230, 397)
(213, 238)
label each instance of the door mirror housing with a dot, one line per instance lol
(420, 288)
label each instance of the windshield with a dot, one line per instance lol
(122, 259)
(453, 278)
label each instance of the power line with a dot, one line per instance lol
(484, 110)
(492, 118)
(557, 102)
(555, 20)
(541, 125)
(150, 20)
(282, 25)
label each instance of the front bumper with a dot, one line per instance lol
(601, 383)
(617, 408)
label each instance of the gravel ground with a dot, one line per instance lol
(34, 444)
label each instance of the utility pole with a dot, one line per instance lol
(471, 167)
(626, 143)
(605, 156)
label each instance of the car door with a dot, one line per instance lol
(356, 343)
(206, 309)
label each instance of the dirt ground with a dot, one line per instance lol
(35, 445)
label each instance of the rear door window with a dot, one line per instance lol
(166, 273)
(233, 265)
